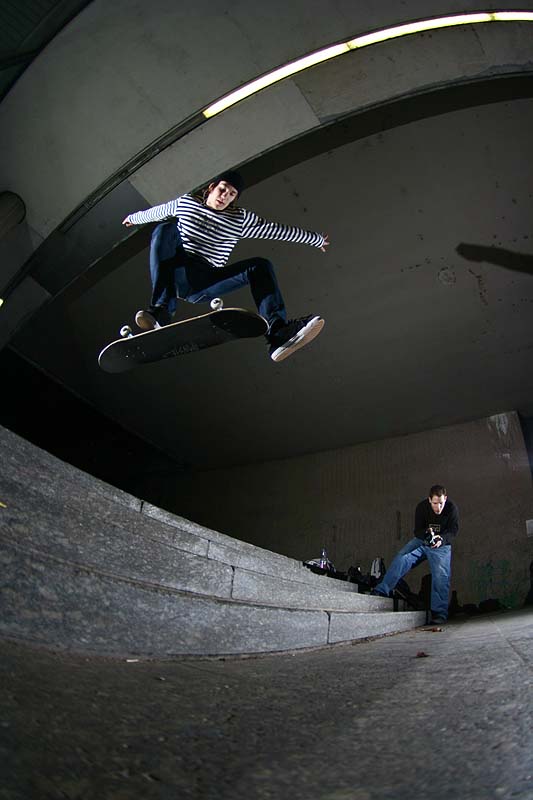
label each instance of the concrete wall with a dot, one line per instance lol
(359, 502)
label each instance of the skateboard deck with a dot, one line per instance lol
(180, 338)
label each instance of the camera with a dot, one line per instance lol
(432, 538)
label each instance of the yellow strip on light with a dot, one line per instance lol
(512, 16)
(440, 22)
(274, 77)
(417, 27)
(354, 44)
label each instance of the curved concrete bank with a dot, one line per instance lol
(88, 567)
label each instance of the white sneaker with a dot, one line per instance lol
(296, 333)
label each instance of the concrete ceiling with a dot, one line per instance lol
(25, 29)
(427, 292)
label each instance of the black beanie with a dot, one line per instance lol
(232, 177)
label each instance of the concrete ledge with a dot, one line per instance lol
(154, 551)
(75, 609)
(51, 519)
(29, 465)
(251, 586)
(68, 536)
(347, 626)
(81, 497)
(88, 567)
(25, 465)
(256, 559)
(78, 610)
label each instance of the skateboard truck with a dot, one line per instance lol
(217, 304)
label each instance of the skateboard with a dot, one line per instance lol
(219, 326)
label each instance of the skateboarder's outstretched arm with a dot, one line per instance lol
(255, 227)
(154, 214)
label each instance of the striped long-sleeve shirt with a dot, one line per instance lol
(213, 234)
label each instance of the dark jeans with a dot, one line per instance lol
(174, 273)
(409, 556)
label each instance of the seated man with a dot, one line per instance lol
(436, 525)
(188, 259)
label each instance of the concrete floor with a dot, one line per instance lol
(371, 720)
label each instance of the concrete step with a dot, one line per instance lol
(155, 556)
(89, 567)
(248, 556)
(272, 590)
(75, 493)
(77, 610)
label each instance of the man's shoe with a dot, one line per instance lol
(153, 317)
(410, 598)
(436, 620)
(288, 338)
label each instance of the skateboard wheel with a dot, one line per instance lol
(125, 331)
(216, 303)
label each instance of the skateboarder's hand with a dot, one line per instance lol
(127, 223)
(326, 243)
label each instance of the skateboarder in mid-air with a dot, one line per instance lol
(188, 260)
